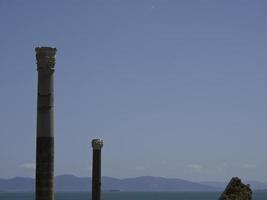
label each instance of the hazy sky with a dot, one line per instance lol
(175, 88)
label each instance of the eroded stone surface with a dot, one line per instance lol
(236, 190)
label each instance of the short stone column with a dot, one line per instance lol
(97, 144)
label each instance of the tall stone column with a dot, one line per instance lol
(97, 144)
(44, 184)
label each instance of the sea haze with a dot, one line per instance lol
(70, 183)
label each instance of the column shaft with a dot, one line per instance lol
(44, 185)
(97, 144)
(96, 175)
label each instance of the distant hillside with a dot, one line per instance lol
(149, 183)
(216, 184)
(17, 184)
(255, 185)
(71, 183)
(145, 183)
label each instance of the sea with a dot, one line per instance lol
(130, 196)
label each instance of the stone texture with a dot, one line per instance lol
(44, 185)
(236, 190)
(97, 144)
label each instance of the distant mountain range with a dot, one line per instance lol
(69, 183)
(255, 185)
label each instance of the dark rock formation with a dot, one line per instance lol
(236, 190)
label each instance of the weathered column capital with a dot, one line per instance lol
(97, 144)
(45, 57)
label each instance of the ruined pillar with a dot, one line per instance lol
(236, 190)
(44, 184)
(97, 144)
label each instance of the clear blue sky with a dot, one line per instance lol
(175, 88)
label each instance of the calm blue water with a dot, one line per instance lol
(131, 196)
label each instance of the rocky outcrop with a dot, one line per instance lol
(236, 190)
